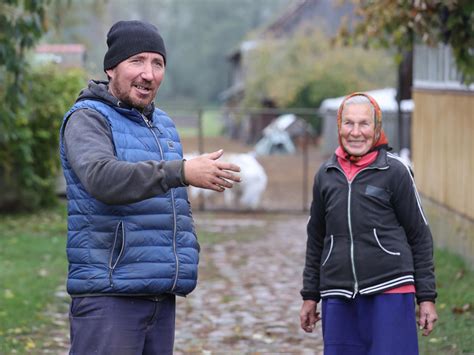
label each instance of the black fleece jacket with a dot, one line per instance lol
(368, 235)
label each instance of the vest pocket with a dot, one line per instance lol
(117, 249)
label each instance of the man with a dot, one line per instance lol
(131, 241)
(369, 248)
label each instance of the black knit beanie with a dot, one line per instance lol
(127, 38)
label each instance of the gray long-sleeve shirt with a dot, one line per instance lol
(90, 151)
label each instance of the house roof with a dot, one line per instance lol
(288, 17)
(326, 14)
(60, 48)
(274, 27)
(386, 98)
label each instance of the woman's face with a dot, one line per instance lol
(357, 130)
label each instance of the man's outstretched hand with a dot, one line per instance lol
(205, 171)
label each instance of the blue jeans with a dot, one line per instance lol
(122, 325)
(370, 325)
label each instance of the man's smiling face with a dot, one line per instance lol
(136, 80)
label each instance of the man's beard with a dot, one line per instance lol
(127, 99)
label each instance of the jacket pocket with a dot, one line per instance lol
(88, 306)
(381, 246)
(117, 250)
(75, 305)
(379, 255)
(378, 193)
(335, 267)
(330, 251)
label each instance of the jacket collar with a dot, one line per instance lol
(381, 162)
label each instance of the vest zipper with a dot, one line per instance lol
(174, 242)
(150, 126)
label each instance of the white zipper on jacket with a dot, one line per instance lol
(150, 126)
(349, 221)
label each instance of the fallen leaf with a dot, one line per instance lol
(30, 344)
(43, 272)
(460, 274)
(460, 310)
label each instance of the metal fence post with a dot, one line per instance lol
(201, 204)
(200, 131)
(305, 170)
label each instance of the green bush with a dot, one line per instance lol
(29, 162)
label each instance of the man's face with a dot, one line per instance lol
(136, 80)
(357, 129)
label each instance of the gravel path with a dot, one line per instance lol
(247, 300)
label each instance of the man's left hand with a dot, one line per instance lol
(427, 317)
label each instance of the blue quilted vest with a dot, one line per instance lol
(144, 248)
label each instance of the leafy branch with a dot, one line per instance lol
(400, 23)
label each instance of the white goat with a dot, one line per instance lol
(246, 194)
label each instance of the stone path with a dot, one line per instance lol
(247, 300)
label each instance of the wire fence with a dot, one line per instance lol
(287, 150)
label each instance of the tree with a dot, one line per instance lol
(32, 105)
(21, 26)
(401, 23)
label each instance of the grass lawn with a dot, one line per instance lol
(454, 330)
(33, 265)
(211, 125)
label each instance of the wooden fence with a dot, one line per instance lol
(443, 148)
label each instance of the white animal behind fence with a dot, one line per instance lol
(248, 193)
